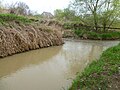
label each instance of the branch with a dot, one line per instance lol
(112, 21)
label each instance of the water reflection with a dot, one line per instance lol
(11, 64)
(50, 68)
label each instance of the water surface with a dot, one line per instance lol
(51, 68)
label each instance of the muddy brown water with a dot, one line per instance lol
(52, 68)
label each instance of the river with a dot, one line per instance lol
(52, 68)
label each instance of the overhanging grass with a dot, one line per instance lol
(96, 75)
(12, 17)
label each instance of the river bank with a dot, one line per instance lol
(91, 35)
(79, 39)
(19, 34)
(52, 68)
(103, 74)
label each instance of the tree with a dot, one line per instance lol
(22, 8)
(59, 14)
(19, 8)
(104, 8)
(110, 13)
(65, 14)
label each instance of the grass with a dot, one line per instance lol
(72, 25)
(12, 17)
(111, 35)
(97, 76)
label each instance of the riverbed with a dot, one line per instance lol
(52, 68)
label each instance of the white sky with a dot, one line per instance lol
(43, 5)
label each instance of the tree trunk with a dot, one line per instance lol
(104, 27)
(95, 21)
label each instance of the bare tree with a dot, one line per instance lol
(19, 8)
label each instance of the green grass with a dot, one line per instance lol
(4, 18)
(111, 35)
(96, 75)
(72, 24)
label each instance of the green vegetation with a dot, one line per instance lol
(83, 31)
(92, 19)
(12, 17)
(99, 74)
(66, 15)
(17, 11)
(74, 25)
(68, 25)
(95, 19)
(98, 13)
(110, 35)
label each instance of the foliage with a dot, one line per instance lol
(101, 12)
(110, 35)
(72, 24)
(116, 24)
(66, 15)
(68, 25)
(96, 75)
(13, 17)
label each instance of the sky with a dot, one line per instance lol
(43, 5)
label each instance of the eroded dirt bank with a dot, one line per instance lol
(16, 38)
